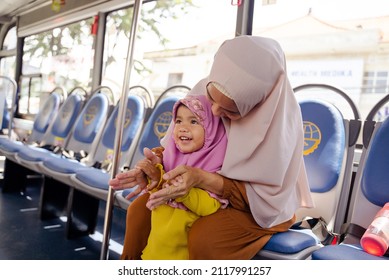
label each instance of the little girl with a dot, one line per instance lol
(198, 140)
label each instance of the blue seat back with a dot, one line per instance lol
(8, 90)
(369, 193)
(372, 180)
(135, 114)
(45, 116)
(89, 124)
(324, 144)
(6, 116)
(375, 179)
(324, 154)
(61, 127)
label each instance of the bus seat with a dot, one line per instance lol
(154, 130)
(8, 91)
(54, 140)
(94, 180)
(42, 120)
(81, 143)
(370, 191)
(83, 139)
(328, 157)
(15, 175)
(91, 183)
(6, 116)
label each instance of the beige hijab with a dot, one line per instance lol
(265, 146)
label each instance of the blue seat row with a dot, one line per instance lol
(41, 123)
(59, 171)
(71, 183)
(329, 145)
(94, 182)
(14, 175)
(370, 191)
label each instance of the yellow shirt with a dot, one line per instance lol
(168, 239)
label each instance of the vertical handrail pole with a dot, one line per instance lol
(119, 129)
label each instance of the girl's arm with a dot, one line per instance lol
(200, 202)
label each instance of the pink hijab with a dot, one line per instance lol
(210, 157)
(265, 146)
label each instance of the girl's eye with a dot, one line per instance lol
(195, 122)
(178, 121)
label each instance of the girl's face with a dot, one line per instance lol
(222, 106)
(188, 133)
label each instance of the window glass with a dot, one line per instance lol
(62, 56)
(177, 41)
(7, 62)
(7, 66)
(10, 39)
(325, 43)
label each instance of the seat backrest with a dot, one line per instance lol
(371, 184)
(159, 121)
(90, 123)
(324, 157)
(329, 147)
(60, 128)
(46, 115)
(135, 114)
(6, 116)
(8, 90)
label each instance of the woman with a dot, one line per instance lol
(263, 174)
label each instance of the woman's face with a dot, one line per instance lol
(222, 106)
(188, 133)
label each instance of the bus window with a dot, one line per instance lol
(29, 97)
(62, 56)
(8, 54)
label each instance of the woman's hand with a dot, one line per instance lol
(179, 181)
(130, 179)
(137, 177)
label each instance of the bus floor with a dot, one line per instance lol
(24, 236)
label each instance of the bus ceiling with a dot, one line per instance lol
(34, 15)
